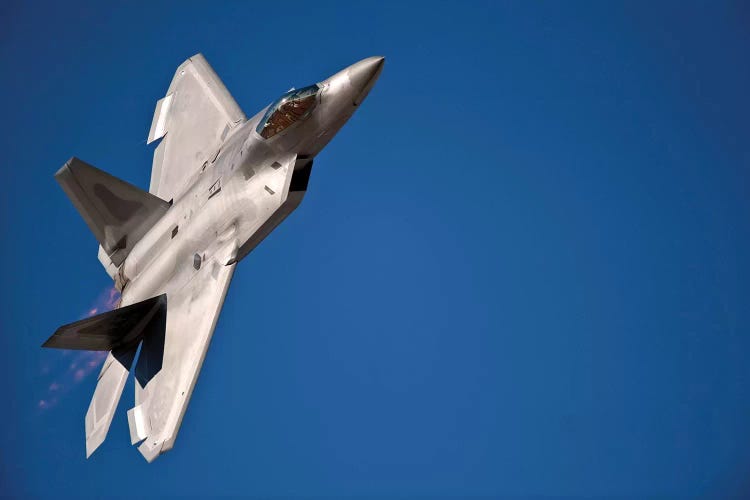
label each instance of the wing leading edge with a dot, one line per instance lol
(196, 115)
(162, 398)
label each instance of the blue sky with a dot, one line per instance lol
(521, 269)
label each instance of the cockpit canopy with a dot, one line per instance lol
(294, 106)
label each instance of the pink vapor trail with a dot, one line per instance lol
(69, 368)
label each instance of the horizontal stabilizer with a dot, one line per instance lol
(118, 213)
(114, 330)
(107, 394)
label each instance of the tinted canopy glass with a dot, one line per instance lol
(294, 106)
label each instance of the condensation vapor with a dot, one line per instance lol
(63, 369)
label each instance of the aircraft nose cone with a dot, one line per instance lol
(363, 76)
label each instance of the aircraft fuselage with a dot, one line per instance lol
(248, 184)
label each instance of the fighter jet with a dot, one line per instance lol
(220, 183)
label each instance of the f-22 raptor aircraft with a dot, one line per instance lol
(220, 183)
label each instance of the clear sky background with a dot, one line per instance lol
(520, 269)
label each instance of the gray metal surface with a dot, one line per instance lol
(118, 213)
(109, 331)
(220, 184)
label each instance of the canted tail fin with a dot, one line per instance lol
(118, 213)
(113, 330)
(119, 331)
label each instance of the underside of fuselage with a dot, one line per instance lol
(220, 184)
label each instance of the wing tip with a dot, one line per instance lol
(151, 449)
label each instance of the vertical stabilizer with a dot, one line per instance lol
(118, 213)
(119, 331)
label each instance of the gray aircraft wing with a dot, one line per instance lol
(167, 370)
(194, 118)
